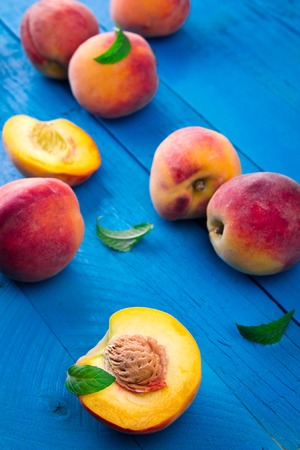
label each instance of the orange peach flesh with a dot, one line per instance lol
(152, 411)
(187, 168)
(150, 19)
(41, 228)
(56, 148)
(254, 223)
(118, 89)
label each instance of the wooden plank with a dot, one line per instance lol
(35, 370)
(167, 273)
(106, 281)
(210, 309)
(36, 410)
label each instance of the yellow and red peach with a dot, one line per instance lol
(115, 89)
(254, 223)
(157, 365)
(41, 228)
(56, 148)
(150, 18)
(51, 31)
(187, 168)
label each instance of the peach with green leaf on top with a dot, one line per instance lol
(113, 74)
(142, 375)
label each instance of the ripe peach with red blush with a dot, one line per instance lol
(150, 18)
(41, 228)
(188, 167)
(51, 31)
(113, 88)
(254, 223)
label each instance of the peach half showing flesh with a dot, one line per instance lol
(157, 365)
(56, 148)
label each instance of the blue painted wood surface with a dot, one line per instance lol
(234, 67)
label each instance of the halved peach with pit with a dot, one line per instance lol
(56, 148)
(157, 366)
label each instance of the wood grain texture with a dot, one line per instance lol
(234, 68)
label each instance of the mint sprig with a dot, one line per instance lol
(83, 380)
(266, 334)
(124, 240)
(117, 51)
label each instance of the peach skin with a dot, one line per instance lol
(51, 31)
(41, 228)
(254, 223)
(150, 18)
(187, 168)
(113, 89)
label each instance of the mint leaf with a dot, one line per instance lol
(123, 241)
(118, 50)
(83, 380)
(266, 334)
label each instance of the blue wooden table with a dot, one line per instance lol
(234, 67)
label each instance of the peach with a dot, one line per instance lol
(150, 18)
(157, 365)
(56, 148)
(41, 228)
(254, 222)
(188, 167)
(113, 89)
(51, 31)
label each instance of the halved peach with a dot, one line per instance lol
(157, 365)
(56, 148)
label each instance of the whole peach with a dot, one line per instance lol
(150, 18)
(187, 168)
(115, 89)
(51, 31)
(254, 222)
(41, 228)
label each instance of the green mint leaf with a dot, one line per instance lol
(266, 334)
(118, 50)
(124, 240)
(83, 380)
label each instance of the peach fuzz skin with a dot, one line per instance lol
(187, 168)
(254, 223)
(51, 31)
(118, 89)
(150, 18)
(141, 413)
(41, 228)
